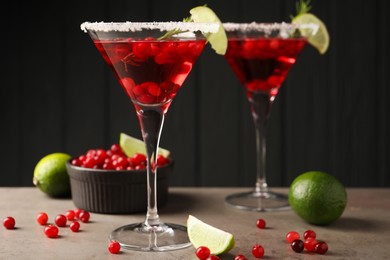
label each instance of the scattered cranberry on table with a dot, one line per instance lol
(297, 245)
(310, 244)
(291, 236)
(321, 248)
(42, 218)
(51, 231)
(9, 223)
(60, 220)
(114, 247)
(70, 215)
(84, 216)
(213, 257)
(74, 226)
(115, 159)
(260, 223)
(240, 257)
(257, 251)
(202, 252)
(309, 233)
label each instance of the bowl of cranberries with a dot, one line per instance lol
(109, 182)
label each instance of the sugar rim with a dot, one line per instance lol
(138, 26)
(268, 28)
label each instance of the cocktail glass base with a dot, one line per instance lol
(140, 237)
(258, 201)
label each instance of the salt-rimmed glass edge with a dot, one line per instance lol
(139, 26)
(268, 28)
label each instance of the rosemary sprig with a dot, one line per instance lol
(173, 32)
(302, 7)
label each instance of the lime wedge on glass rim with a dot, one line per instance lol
(218, 40)
(131, 145)
(320, 38)
(203, 234)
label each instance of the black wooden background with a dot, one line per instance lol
(332, 114)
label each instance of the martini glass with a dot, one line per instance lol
(151, 62)
(261, 56)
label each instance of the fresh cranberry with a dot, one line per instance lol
(77, 212)
(257, 251)
(310, 244)
(162, 160)
(297, 245)
(114, 247)
(309, 233)
(260, 223)
(291, 236)
(60, 220)
(51, 231)
(116, 149)
(321, 248)
(70, 215)
(202, 252)
(84, 216)
(138, 159)
(240, 257)
(74, 226)
(9, 223)
(42, 218)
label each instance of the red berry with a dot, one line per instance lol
(42, 218)
(75, 226)
(51, 231)
(161, 160)
(77, 212)
(114, 247)
(9, 223)
(60, 220)
(70, 215)
(321, 248)
(138, 159)
(257, 251)
(240, 257)
(297, 245)
(291, 236)
(84, 216)
(310, 244)
(309, 233)
(260, 223)
(202, 252)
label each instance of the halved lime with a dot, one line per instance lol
(218, 40)
(131, 145)
(203, 234)
(320, 39)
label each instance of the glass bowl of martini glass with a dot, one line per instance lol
(261, 55)
(151, 61)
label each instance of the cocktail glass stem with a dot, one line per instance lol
(261, 198)
(261, 107)
(151, 126)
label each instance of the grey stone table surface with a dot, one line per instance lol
(363, 231)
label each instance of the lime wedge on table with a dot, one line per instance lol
(320, 39)
(203, 234)
(218, 40)
(131, 145)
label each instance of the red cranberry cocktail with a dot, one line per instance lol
(151, 62)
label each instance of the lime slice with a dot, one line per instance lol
(131, 145)
(202, 234)
(218, 40)
(320, 38)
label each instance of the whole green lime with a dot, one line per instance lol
(51, 176)
(317, 197)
